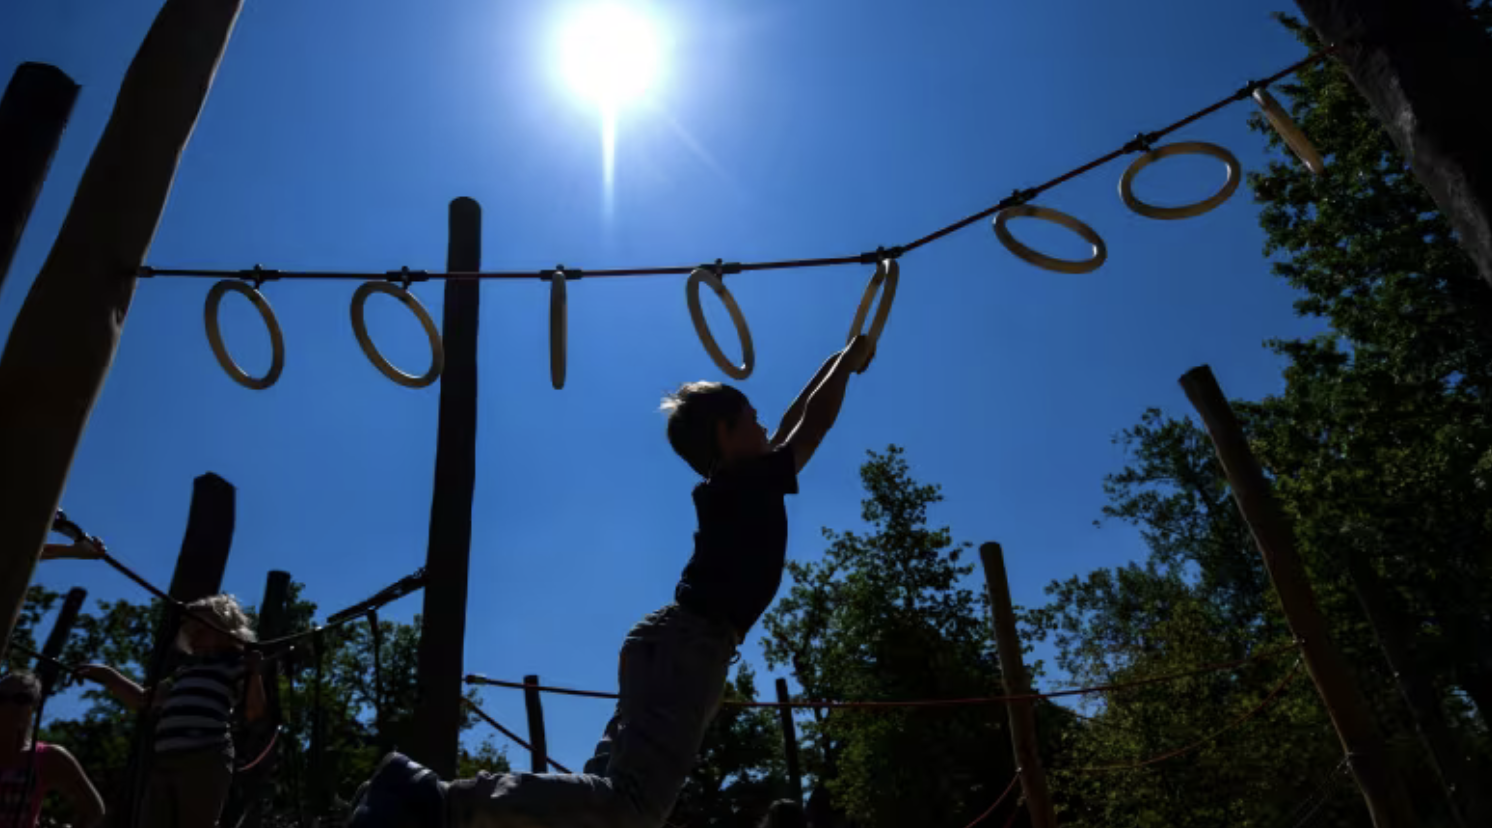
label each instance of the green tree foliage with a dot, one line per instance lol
(121, 633)
(882, 617)
(741, 769)
(1379, 448)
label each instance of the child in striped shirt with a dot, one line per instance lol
(193, 763)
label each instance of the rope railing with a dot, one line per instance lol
(93, 548)
(482, 714)
(475, 679)
(1003, 795)
(1140, 143)
(1209, 738)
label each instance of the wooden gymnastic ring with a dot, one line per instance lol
(696, 312)
(1292, 134)
(1126, 182)
(1100, 250)
(215, 335)
(558, 329)
(360, 330)
(884, 280)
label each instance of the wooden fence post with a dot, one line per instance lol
(38, 101)
(537, 744)
(436, 732)
(1366, 752)
(1013, 670)
(790, 743)
(46, 669)
(1419, 64)
(64, 338)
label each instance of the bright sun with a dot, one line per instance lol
(610, 54)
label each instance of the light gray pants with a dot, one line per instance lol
(672, 675)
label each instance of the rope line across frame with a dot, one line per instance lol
(1214, 667)
(1014, 205)
(360, 330)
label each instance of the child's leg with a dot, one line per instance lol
(158, 806)
(204, 789)
(673, 673)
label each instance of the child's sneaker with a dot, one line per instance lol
(401, 794)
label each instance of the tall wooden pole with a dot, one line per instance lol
(273, 623)
(538, 744)
(64, 338)
(199, 573)
(1367, 754)
(34, 112)
(1468, 802)
(1424, 66)
(1013, 670)
(790, 743)
(437, 719)
(62, 629)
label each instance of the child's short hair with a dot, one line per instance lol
(222, 609)
(693, 412)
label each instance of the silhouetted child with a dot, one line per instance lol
(193, 764)
(673, 664)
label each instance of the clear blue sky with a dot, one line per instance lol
(338, 131)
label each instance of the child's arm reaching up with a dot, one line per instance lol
(822, 406)
(129, 693)
(794, 413)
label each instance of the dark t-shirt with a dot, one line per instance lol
(741, 544)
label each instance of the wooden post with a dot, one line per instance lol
(790, 743)
(273, 623)
(64, 337)
(1013, 671)
(437, 720)
(1422, 65)
(538, 746)
(1468, 803)
(34, 112)
(1366, 752)
(199, 573)
(62, 628)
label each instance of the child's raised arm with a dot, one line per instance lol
(822, 407)
(130, 694)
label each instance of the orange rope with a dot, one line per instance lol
(991, 809)
(1172, 754)
(842, 705)
(510, 734)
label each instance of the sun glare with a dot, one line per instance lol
(610, 55)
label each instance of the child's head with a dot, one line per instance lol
(711, 424)
(197, 637)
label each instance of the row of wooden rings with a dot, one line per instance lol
(883, 281)
(1273, 112)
